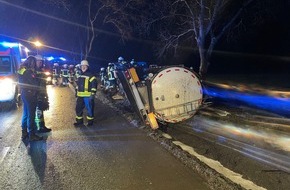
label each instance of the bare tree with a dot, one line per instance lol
(199, 24)
(59, 3)
(108, 12)
(100, 14)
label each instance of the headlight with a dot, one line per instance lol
(48, 79)
(6, 83)
(47, 73)
(7, 89)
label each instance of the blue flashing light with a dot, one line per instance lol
(62, 58)
(50, 58)
(263, 101)
(9, 44)
(55, 59)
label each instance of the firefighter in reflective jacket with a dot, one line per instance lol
(85, 92)
(111, 76)
(64, 72)
(55, 73)
(77, 72)
(28, 84)
(42, 97)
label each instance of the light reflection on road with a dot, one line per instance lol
(51, 93)
(276, 101)
(264, 144)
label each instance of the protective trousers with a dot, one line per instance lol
(89, 104)
(28, 116)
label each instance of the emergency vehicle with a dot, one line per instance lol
(11, 56)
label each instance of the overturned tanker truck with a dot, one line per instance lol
(168, 94)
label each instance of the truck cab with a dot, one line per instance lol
(10, 59)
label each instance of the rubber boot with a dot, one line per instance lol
(79, 122)
(24, 134)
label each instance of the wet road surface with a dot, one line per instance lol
(112, 154)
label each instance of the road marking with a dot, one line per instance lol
(166, 135)
(3, 153)
(233, 176)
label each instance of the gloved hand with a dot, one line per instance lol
(42, 101)
(92, 96)
(43, 105)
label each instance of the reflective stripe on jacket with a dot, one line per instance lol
(86, 85)
(64, 72)
(21, 70)
(27, 80)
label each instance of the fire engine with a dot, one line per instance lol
(11, 55)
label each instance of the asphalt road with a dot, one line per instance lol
(112, 154)
(242, 143)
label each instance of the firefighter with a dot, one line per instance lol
(103, 77)
(28, 83)
(85, 92)
(55, 73)
(122, 64)
(71, 73)
(64, 73)
(132, 63)
(77, 71)
(42, 97)
(111, 73)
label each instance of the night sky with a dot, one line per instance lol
(255, 50)
(261, 49)
(64, 35)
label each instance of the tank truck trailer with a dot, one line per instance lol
(168, 94)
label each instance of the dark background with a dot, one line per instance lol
(264, 48)
(261, 49)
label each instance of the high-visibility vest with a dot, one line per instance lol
(86, 85)
(111, 75)
(64, 72)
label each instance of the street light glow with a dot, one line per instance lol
(37, 43)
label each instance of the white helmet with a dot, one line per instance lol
(65, 66)
(132, 61)
(55, 64)
(102, 69)
(39, 58)
(85, 62)
(120, 59)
